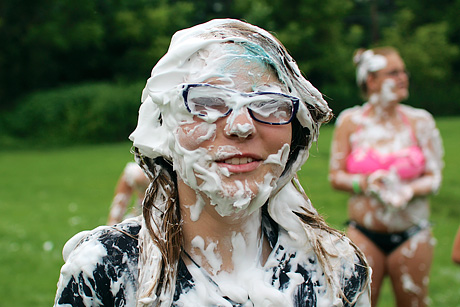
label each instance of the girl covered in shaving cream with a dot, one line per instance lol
(225, 123)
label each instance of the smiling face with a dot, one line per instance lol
(233, 162)
(235, 55)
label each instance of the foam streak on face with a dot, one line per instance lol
(386, 95)
(187, 61)
(207, 54)
(199, 171)
(205, 152)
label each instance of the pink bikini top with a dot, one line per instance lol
(408, 162)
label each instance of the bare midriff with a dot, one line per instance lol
(371, 214)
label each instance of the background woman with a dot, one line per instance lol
(225, 124)
(389, 157)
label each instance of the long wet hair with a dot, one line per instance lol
(161, 211)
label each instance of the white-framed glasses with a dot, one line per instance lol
(210, 101)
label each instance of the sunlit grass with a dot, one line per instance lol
(48, 196)
(45, 198)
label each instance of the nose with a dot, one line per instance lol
(240, 124)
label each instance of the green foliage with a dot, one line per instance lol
(423, 46)
(51, 43)
(144, 34)
(79, 114)
(429, 56)
(316, 38)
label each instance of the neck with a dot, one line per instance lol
(383, 111)
(219, 243)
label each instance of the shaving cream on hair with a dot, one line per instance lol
(368, 62)
(184, 62)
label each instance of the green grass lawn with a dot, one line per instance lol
(47, 196)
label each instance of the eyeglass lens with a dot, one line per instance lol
(210, 101)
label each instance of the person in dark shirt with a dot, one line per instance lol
(225, 123)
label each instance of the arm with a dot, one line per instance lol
(430, 141)
(339, 178)
(100, 268)
(456, 248)
(120, 201)
(82, 277)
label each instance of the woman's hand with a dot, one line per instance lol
(387, 187)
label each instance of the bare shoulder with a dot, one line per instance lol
(426, 132)
(348, 119)
(416, 115)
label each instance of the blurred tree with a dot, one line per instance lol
(314, 33)
(36, 35)
(50, 43)
(435, 12)
(424, 46)
(428, 36)
(47, 43)
(430, 57)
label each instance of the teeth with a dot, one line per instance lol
(238, 161)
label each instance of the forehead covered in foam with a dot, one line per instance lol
(368, 62)
(209, 51)
(204, 52)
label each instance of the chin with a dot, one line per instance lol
(404, 95)
(238, 197)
